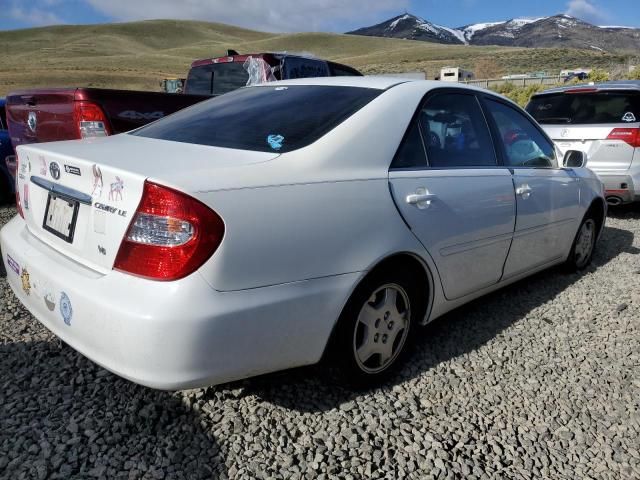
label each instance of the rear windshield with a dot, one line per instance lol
(216, 79)
(265, 119)
(586, 108)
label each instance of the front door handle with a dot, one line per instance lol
(421, 199)
(524, 191)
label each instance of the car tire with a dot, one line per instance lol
(584, 244)
(374, 330)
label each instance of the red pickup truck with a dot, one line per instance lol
(43, 115)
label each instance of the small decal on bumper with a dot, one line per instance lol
(26, 284)
(13, 265)
(65, 308)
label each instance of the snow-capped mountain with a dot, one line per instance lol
(555, 31)
(411, 27)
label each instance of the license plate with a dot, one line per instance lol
(60, 216)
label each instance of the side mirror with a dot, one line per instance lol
(574, 159)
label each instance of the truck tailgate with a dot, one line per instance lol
(45, 115)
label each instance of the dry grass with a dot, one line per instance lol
(137, 55)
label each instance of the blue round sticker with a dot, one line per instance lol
(65, 308)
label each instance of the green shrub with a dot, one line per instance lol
(634, 74)
(519, 95)
(599, 75)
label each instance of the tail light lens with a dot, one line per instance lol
(170, 236)
(18, 202)
(90, 119)
(628, 135)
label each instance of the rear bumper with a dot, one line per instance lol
(620, 187)
(171, 335)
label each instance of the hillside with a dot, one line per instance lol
(557, 31)
(137, 55)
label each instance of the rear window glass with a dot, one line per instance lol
(265, 118)
(586, 108)
(216, 79)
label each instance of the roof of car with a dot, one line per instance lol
(600, 86)
(373, 81)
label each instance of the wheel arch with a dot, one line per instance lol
(396, 260)
(598, 208)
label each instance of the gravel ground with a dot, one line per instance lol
(539, 380)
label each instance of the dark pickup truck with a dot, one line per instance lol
(43, 115)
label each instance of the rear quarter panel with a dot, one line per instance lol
(289, 233)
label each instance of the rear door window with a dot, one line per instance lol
(451, 128)
(455, 132)
(265, 118)
(586, 108)
(216, 79)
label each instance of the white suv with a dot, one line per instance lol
(602, 120)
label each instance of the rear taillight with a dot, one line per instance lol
(18, 202)
(628, 135)
(90, 120)
(170, 236)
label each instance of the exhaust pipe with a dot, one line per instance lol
(614, 201)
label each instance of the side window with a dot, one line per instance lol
(411, 151)
(524, 145)
(295, 67)
(455, 132)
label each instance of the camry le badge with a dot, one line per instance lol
(54, 169)
(32, 121)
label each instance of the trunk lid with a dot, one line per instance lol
(79, 197)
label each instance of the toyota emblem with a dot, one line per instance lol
(564, 133)
(54, 168)
(32, 121)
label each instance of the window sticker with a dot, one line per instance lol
(629, 117)
(275, 141)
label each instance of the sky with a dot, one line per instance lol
(308, 15)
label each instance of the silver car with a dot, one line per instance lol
(602, 120)
(277, 224)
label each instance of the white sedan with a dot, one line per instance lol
(270, 226)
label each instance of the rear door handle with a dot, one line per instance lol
(421, 199)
